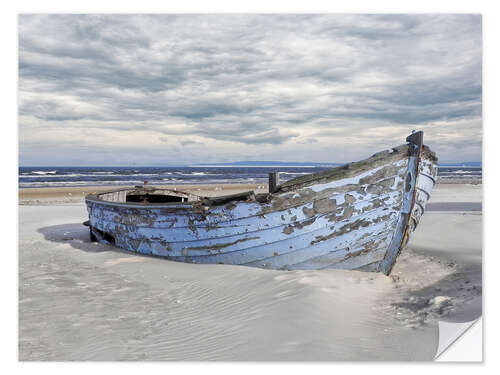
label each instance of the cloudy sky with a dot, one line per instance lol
(169, 89)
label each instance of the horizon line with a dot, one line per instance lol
(226, 164)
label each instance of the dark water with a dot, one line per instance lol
(460, 172)
(85, 176)
(95, 176)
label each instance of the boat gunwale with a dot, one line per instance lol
(353, 168)
(94, 197)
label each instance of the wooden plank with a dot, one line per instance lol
(275, 241)
(313, 259)
(359, 260)
(274, 255)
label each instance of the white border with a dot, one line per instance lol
(9, 149)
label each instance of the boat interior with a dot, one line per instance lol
(155, 195)
(147, 195)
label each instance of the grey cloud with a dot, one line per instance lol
(308, 140)
(260, 80)
(190, 142)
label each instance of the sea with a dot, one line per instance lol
(30, 177)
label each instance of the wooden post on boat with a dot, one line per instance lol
(416, 139)
(274, 181)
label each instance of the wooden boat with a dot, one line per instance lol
(357, 216)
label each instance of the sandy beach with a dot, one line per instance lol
(87, 301)
(72, 194)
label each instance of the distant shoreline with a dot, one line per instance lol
(261, 166)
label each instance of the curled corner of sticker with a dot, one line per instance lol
(450, 334)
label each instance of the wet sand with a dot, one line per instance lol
(85, 301)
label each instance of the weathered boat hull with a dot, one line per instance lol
(358, 216)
